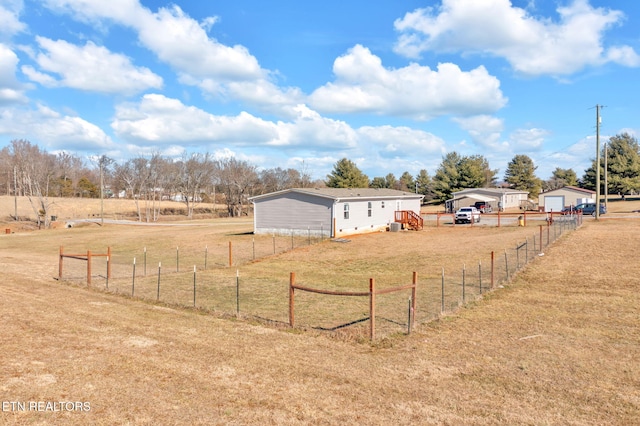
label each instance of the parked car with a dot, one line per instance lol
(467, 215)
(586, 208)
(483, 206)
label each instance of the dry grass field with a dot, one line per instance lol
(560, 344)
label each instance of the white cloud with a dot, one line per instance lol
(531, 45)
(54, 130)
(157, 119)
(11, 91)
(363, 85)
(527, 140)
(312, 130)
(183, 43)
(89, 67)
(173, 36)
(162, 120)
(266, 95)
(393, 142)
(9, 18)
(485, 130)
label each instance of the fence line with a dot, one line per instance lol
(499, 218)
(221, 289)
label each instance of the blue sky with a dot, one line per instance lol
(391, 85)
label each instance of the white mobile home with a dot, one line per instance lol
(332, 212)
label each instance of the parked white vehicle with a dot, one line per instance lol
(467, 215)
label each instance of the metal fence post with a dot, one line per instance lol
(506, 263)
(464, 269)
(133, 278)
(372, 309)
(442, 301)
(292, 283)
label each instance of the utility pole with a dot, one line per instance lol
(15, 192)
(597, 168)
(101, 193)
(606, 178)
(103, 163)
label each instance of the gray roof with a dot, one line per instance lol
(346, 193)
(570, 188)
(496, 191)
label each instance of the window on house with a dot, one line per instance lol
(369, 209)
(346, 211)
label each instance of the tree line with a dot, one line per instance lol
(620, 156)
(194, 178)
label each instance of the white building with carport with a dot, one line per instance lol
(498, 198)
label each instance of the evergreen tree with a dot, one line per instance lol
(623, 164)
(425, 185)
(406, 182)
(346, 174)
(456, 173)
(560, 178)
(521, 175)
(378, 182)
(390, 181)
(447, 176)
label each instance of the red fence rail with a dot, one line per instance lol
(372, 293)
(86, 257)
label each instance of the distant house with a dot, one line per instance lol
(332, 212)
(557, 199)
(496, 197)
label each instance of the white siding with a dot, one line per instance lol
(359, 220)
(302, 211)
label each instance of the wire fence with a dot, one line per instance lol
(212, 279)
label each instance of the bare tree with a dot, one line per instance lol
(68, 169)
(237, 180)
(278, 179)
(161, 176)
(34, 173)
(193, 174)
(133, 176)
